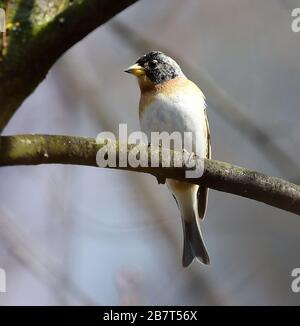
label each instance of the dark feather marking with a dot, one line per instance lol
(159, 67)
(203, 191)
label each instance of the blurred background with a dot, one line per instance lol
(82, 235)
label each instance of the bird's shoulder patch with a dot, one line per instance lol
(172, 86)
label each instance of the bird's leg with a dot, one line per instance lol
(195, 165)
(186, 157)
(160, 179)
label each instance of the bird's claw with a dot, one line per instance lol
(161, 180)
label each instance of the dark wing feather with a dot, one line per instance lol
(203, 191)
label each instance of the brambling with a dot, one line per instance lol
(170, 102)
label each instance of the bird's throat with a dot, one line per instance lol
(145, 84)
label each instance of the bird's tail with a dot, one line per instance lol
(187, 201)
(194, 246)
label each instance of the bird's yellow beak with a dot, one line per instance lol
(136, 70)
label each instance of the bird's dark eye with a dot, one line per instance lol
(152, 64)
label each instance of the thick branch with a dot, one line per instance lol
(45, 149)
(38, 33)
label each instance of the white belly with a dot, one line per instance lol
(183, 113)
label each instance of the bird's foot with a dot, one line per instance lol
(160, 180)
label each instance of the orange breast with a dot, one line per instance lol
(150, 90)
(145, 100)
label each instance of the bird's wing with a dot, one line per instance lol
(208, 152)
(203, 191)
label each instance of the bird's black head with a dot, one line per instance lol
(157, 66)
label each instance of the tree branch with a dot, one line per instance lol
(45, 149)
(38, 33)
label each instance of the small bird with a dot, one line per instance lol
(170, 102)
